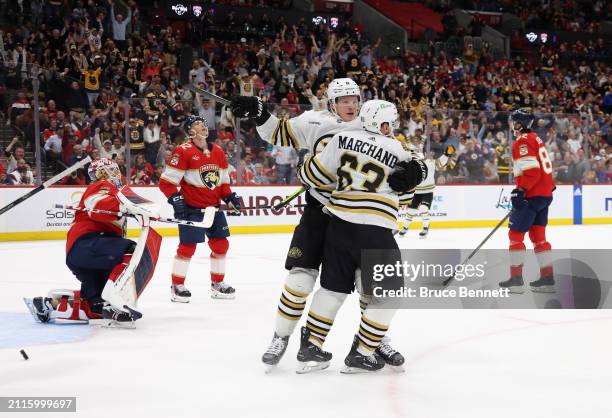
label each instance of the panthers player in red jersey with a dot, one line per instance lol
(95, 253)
(200, 168)
(530, 201)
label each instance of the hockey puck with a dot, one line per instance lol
(23, 353)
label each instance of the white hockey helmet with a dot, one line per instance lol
(375, 113)
(340, 87)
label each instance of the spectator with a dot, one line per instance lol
(53, 151)
(22, 175)
(152, 138)
(119, 25)
(286, 158)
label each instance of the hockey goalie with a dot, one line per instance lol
(113, 271)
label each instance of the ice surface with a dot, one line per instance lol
(202, 359)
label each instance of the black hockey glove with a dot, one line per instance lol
(233, 202)
(251, 108)
(178, 204)
(407, 175)
(517, 197)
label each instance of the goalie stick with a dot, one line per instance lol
(209, 216)
(46, 184)
(447, 281)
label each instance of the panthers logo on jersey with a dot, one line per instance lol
(209, 173)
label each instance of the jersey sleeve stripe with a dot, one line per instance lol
(275, 133)
(283, 132)
(94, 199)
(310, 175)
(173, 175)
(329, 176)
(524, 164)
(294, 140)
(224, 176)
(363, 210)
(366, 198)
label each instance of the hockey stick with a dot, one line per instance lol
(46, 184)
(450, 278)
(209, 95)
(289, 198)
(209, 216)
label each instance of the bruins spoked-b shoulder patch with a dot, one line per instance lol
(294, 252)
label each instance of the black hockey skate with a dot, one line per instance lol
(391, 356)
(403, 231)
(514, 284)
(424, 232)
(275, 352)
(179, 293)
(40, 307)
(543, 285)
(115, 318)
(222, 290)
(310, 357)
(358, 363)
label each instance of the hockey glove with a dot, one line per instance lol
(233, 203)
(450, 150)
(251, 108)
(517, 196)
(178, 204)
(407, 175)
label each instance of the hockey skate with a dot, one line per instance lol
(424, 232)
(40, 307)
(513, 284)
(275, 352)
(310, 357)
(403, 231)
(179, 293)
(115, 318)
(391, 356)
(543, 285)
(222, 290)
(356, 362)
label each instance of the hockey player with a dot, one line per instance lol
(420, 205)
(200, 168)
(96, 253)
(311, 130)
(364, 211)
(530, 201)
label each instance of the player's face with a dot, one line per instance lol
(199, 134)
(347, 107)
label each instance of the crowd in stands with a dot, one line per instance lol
(96, 55)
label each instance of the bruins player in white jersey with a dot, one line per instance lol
(311, 130)
(420, 205)
(364, 210)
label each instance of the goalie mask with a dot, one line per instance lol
(375, 113)
(341, 87)
(105, 169)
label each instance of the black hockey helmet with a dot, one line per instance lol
(193, 119)
(522, 119)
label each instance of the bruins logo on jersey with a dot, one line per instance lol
(295, 252)
(209, 174)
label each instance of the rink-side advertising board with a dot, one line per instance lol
(453, 206)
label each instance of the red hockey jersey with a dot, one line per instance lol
(99, 195)
(201, 174)
(532, 166)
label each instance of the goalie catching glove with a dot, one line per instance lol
(251, 108)
(407, 175)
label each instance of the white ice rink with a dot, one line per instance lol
(202, 359)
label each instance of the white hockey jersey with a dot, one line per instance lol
(358, 164)
(311, 130)
(429, 184)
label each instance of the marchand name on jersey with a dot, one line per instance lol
(368, 148)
